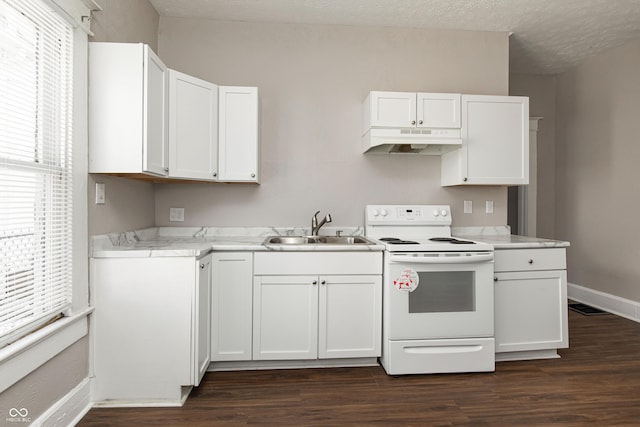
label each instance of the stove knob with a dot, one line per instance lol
(383, 212)
(443, 212)
(376, 212)
(436, 212)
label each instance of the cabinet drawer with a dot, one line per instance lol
(530, 259)
(318, 263)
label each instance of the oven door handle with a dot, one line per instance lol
(463, 259)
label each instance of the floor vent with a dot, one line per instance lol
(585, 309)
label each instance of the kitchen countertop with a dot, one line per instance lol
(198, 241)
(501, 238)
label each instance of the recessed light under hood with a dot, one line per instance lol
(411, 141)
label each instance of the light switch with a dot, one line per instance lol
(176, 214)
(489, 206)
(468, 206)
(100, 193)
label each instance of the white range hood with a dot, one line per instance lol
(411, 141)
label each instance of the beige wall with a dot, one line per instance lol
(597, 147)
(49, 383)
(541, 90)
(312, 80)
(126, 21)
(129, 204)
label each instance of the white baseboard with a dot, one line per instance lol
(253, 365)
(69, 410)
(613, 304)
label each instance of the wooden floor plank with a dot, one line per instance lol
(596, 382)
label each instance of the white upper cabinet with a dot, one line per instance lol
(147, 120)
(410, 109)
(127, 110)
(238, 145)
(193, 127)
(438, 110)
(495, 143)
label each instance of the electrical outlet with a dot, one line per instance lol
(176, 214)
(468, 206)
(101, 196)
(489, 207)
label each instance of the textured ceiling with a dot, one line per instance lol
(548, 36)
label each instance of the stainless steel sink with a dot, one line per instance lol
(343, 240)
(316, 240)
(290, 240)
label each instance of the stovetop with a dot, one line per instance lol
(451, 244)
(416, 228)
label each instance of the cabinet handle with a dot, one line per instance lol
(495, 279)
(215, 174)
(166, 169)
(324, 282)
(253, 175)
(465, 179)
(315, 282)
(202, 266)
(420, 122)
(413, 122)
(530, 261)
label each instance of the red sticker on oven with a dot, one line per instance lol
(407, 281)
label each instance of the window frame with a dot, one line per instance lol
(26, 354)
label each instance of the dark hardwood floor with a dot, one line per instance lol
(595, 383)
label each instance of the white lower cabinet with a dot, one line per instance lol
(150, 329)
(310, 317)
(530, 303)
(285, 314)
(349, 316)
(299, 316)
(202, 319)
(231, 306)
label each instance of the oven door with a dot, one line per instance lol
(439, 295)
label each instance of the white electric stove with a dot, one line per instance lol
(437, 292)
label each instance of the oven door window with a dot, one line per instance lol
(444, 292)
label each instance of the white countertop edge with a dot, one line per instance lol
(501, 238)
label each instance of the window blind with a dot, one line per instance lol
(36, 67)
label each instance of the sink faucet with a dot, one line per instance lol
(315, 227)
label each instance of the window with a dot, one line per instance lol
(36, 87)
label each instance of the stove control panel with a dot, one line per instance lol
(408, 215)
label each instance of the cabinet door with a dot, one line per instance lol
(127, 110)
(238, 134)
(193, 127)
(231, 306)
(438, 110)
(392, 109)
(350, 316)
(531, 311)
(155, 146)
(202, 319)
(285, 317)
(495, 143)
(495, 136)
